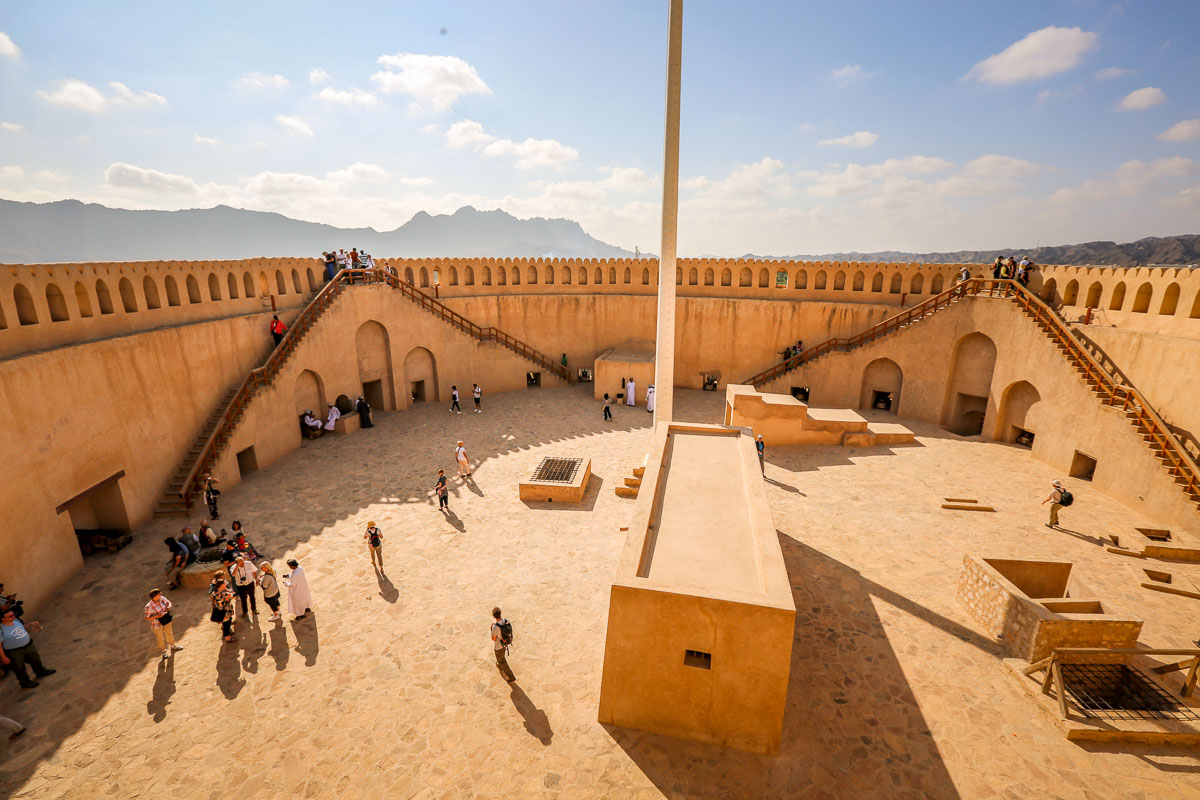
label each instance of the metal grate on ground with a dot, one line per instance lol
(557, 470)
(1117, 691)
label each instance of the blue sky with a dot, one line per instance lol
(807, 127)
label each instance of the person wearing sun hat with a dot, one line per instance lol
(374, 538)
(762, 454)
(464, 465)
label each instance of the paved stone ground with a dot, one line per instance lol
(389, 689)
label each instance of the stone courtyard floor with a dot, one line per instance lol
(389, 688)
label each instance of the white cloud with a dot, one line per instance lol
(856, 139)
(892, 174)
(50, 176)
(1046, 95)
(8, 48)
(294, 125)
(1041, 54)
(75, 94)
(11, 172)
(124, 96)
(626, 179)
(529, 154)
(316, 76)
(996, 166)
(1108, 73)
(851, 73)
(434, 81)
(12, 127)
(204, 140)
(431, 129)
(1141, 99)
(359, 172)
(746, 185)
(128, 176)
(1183, 131)
(1130, 179)
(260, 80)
(346, 97)
(805, 126)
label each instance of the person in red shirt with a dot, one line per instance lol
(277, 329)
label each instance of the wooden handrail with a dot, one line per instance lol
(1052, 665)
(263, 374)
(1112, 391)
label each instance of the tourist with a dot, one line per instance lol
(211, 494)
(241, 544)
(354, 258)
(1058, 498)
(761, 447)
(17, 649)
(208, 537)
(245, 578)
(501, 631)
(310, 426)
(158, 614)
(277, 329)
(179, 560)
(460, 455)
(10, 601)
(442, 492)
(229, 557)
(298, 595)
(454, 406)
(799, 346)
(564, 359)
(964, 275)
(997, 268)
(332, 418)
(650, 398)
(607, 408)
(477, 396)
(14, 726)
(330, 266)
(191, 541)
(374, 538)
(364, 413)
(270, 589)
(222, 606)
(1025, 272)
(630, 393)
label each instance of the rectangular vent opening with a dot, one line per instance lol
(697, 659)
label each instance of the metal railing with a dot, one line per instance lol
(1053, 664)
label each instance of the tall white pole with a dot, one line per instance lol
(664, 352)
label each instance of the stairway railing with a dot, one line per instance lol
(262, 375)
(1177, 460)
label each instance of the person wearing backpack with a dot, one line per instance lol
(1058, 498)
(374, 538)
(502, 637)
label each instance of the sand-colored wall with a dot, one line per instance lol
(1068, 417)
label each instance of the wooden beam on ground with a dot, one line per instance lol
(960, 500)
(960, 507)
(1121, 551)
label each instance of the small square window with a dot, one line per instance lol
(697, 659)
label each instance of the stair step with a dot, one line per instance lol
(627, 491)
(633, 482)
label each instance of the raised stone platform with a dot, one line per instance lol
(785, 420)
(562, 480)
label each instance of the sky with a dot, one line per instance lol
(806, 127)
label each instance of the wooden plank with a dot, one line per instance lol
(1049, 675)
(959, 507)
(1056, 668)
(1171, 590)
(1176, 667)
(960, 500)
(1189, 685)
(90, 490)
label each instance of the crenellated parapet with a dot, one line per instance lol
(49, 305)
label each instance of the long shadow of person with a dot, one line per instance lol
(536, 721)
(386, 590)
(229, 670)
(453, 519)
(307, 644)
(472, 485)
(164, 687)
(279, 646)
(253, 644)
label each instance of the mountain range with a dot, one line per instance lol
(68, 230)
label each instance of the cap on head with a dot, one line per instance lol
(371, 524)
(460, 441)
(759, 436)
(308, 411)
(1058, 483)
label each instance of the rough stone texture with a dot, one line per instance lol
(390, 690)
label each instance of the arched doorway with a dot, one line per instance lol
(1016, 420)
(420, 375)
(374, 349)
(881, 383)
(969, 385)
(309, 393)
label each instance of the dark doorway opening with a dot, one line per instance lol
(247, 460)
(343, 404)
(373, 394)
(98, 516)
(418, 391)
(800, 393)
(1083, 466)
(968, 421)
(533, 379)
(881, 401)
(1023, 437)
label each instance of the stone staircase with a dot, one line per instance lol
(631, 486)
(177, 498)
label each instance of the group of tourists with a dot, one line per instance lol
(185, 548)
(1007, 268)
(476, 395)
(338, 260)
(629, 385)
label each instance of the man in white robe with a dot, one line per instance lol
(299, 598)
(650, 398)
(630, 393)
(334, 416)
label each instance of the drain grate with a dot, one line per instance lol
(1117, 691)
(557, 470)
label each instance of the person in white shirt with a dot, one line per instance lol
(630, 393)
(334, 416)
(477, 395)
(245, 576)
(311, 425)
(454, 406)
(460, 455)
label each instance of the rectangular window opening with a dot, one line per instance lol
(1083, 466)
(697, 659)
(247, 461)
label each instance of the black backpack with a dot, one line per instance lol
(1065, 498)
(506, 632)
(374, 540)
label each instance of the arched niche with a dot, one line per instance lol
(882, 380)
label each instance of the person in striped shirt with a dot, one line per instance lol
(158, 614)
